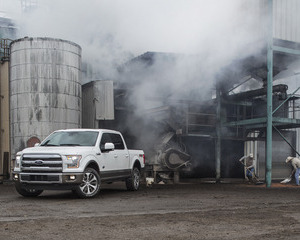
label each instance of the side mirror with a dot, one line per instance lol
(108, 147)
(36, 144)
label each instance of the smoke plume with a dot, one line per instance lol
(111, 32)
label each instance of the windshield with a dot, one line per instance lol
(74, 138)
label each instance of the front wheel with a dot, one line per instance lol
(133, 183)
(27, 192)
(90, 185)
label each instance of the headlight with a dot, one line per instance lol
(17, 162)
(73, 161)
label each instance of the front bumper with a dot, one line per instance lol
(48, 178)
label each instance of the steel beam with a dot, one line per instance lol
(286, 50)
(251, 121)
(218, 136)
(257, 123)
(268, 171)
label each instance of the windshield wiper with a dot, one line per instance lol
(69, 144)
(46, 144)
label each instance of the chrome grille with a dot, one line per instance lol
(41, 163)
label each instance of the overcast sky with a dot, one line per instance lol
(137, 26)
(112, 31)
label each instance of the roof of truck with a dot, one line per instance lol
(86, 129)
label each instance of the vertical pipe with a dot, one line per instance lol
(218, 136)
(269, 96)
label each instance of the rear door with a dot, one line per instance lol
(114, 163)
(121, 154)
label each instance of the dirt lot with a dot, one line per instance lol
(183, 211)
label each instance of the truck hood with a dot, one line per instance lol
(76, 150)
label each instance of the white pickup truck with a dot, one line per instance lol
(79, 160)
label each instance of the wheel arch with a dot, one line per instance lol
(93, 164)
(137, 164)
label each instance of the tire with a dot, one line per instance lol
(133, 183)
(90, 185)
(27, 192)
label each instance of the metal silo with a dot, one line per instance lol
(45, 86)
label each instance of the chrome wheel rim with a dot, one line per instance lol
(89, 184)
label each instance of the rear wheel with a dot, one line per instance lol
(27, 192)
(133, 183)
(90, 185)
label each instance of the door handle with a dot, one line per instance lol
(115, 156)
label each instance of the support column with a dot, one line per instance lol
(268, 172)
(218, 136)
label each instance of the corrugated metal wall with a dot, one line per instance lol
(104, 97)
(286, 20)
(97, 103)
(45, 85)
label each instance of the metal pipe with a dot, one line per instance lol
(280, 88)
(268, 171)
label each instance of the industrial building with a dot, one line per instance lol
(252, 107)
(205, 136)
(179, 135)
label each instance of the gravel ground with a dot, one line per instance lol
(182, 211)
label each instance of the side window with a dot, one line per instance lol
(105, 139)
(117, 141)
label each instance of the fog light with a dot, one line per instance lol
(72, 177)
(16, 176)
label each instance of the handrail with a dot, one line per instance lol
(4, 47)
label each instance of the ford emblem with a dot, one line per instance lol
(39, 162)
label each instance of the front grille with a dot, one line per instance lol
(41, 163)
(40, 178)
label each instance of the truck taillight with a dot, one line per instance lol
(143, 156)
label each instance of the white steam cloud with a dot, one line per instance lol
(112, 31)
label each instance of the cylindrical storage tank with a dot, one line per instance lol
(45, 86)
